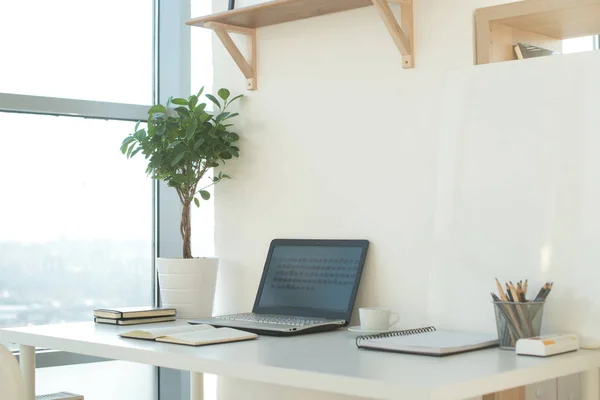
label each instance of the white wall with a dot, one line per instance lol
(519, 190)
(339, 142)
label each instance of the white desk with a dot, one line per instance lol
(327, 362)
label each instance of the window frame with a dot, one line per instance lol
(26, 104)
(173, 79)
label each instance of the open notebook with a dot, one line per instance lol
(191, 335)
(428, 341)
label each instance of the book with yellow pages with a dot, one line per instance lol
(134, 321)
(191, 335)
(134, 312)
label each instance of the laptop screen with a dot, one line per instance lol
(311, 278)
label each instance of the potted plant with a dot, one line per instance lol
(182, 142)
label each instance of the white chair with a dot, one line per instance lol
(12, 386)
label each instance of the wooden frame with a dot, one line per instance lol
(246, 20)
(538, 22)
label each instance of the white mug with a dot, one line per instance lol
(377, 318)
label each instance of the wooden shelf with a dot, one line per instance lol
(246, 20)
(277, 12)
(539, 22)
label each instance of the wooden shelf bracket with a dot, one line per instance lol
(402, 34)
(248, 67)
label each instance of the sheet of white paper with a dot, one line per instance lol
(170, 330)
(213, 336)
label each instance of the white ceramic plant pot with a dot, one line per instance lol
(188, 285)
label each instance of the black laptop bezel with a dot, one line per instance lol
(311, 312)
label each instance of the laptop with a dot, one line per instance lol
(307, 286)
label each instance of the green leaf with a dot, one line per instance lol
(205, 194)
(128, 139)
(200, 108)
(130, 150)
(126, 143)
(181, 148)
(140, 134)
(205, 117)
(178, 178)
(191, 129)
(226, 155)
(221, 117)
(224, 94)
(198, 143)
(160, 129)
(159, 108)
(235, 98)
(197, 202)
(231, 116)
(173, 144)
(233, 137)
(177, 158)
(180, 102)
(200, 92)
(175, 132)
(183, 112)
(137, 126)
(192, 101)
(156, 160)
(225, 176)
(136, 151)
(214, 100)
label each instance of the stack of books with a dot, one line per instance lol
(134, 315)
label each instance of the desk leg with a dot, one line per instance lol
(511, 394)
(591, 384)
(196, 386)
(27, 363)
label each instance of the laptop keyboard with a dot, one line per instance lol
(272, 319)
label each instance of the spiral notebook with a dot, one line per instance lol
(427, 341)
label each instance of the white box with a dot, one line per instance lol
(543, 346)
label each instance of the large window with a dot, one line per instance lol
(76, 220)
(76, 217)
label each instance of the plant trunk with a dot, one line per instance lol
(186, 229)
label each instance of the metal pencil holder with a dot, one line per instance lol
(516, 321)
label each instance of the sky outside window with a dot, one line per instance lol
(91, 50)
